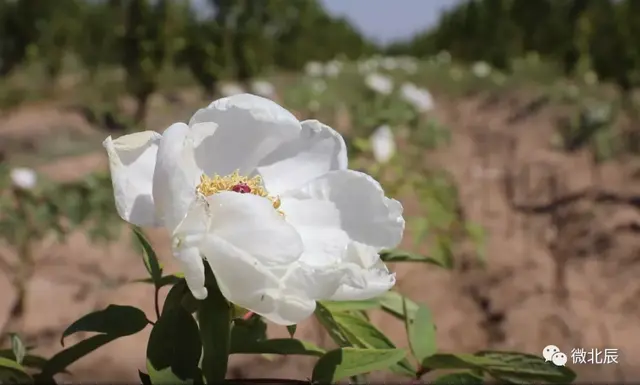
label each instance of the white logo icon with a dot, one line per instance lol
(549, 351)
(559, 359)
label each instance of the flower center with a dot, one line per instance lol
(236, 183)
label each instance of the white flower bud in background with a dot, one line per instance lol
(230, 89)
(379, 83)
(419, 98)
(23, 178)
(263, 88)
(481, 69)
(383, 144)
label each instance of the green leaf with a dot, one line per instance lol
(176, 296)
(462, 378)
(421, 332)
(342, 306)
(525, 368)
(18, 348)
(149, 257)
(174, 344)
(503, 365)
(405, 256)
(363, 334)
(29, 360)
(292, 330)
(144, 378)
(164, 280)
(59, 362)
(214, 316)
(12, 372)
(283, 346)
(247, 332)
(115, 320)
(326, 319)
(398, 305)
(348, 362)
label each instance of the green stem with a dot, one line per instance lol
(214, 316)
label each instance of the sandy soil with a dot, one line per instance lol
(562, 254)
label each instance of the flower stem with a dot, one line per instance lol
(214, 316)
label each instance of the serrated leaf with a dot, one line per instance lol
(463, 378)
(342, 363)
(421, 332)
(115, 320)
(149, 257)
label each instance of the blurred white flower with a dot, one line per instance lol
(481, 69)
(266, 200)
(333, 68)
(389, 63)
(419, 98)
(590, 78)
(443, 57)
(314, 69)
(379, 83)
(263, 88)
(366, 66)
(318, 86)
(230, 89)
(23, 178)
(409, 65)
(383, 145)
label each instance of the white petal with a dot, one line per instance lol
(248, 243)
(192, 265)
(250, 223)
(371, 270)
(132, 159)
(363, 212)
(249, 128)
(318, 150)
(176, 175)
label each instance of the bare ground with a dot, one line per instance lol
(562, 254)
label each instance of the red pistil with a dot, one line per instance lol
(241, 188)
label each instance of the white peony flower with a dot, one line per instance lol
(23, 178)
(420, 98)
(383, 144)
(314, 69)
(390, 63)
(266, 200)
(263, 88)
(481, 69)
(379, 83)
(333, 68)
(230, 89)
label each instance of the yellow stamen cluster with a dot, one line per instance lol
(209, 186)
